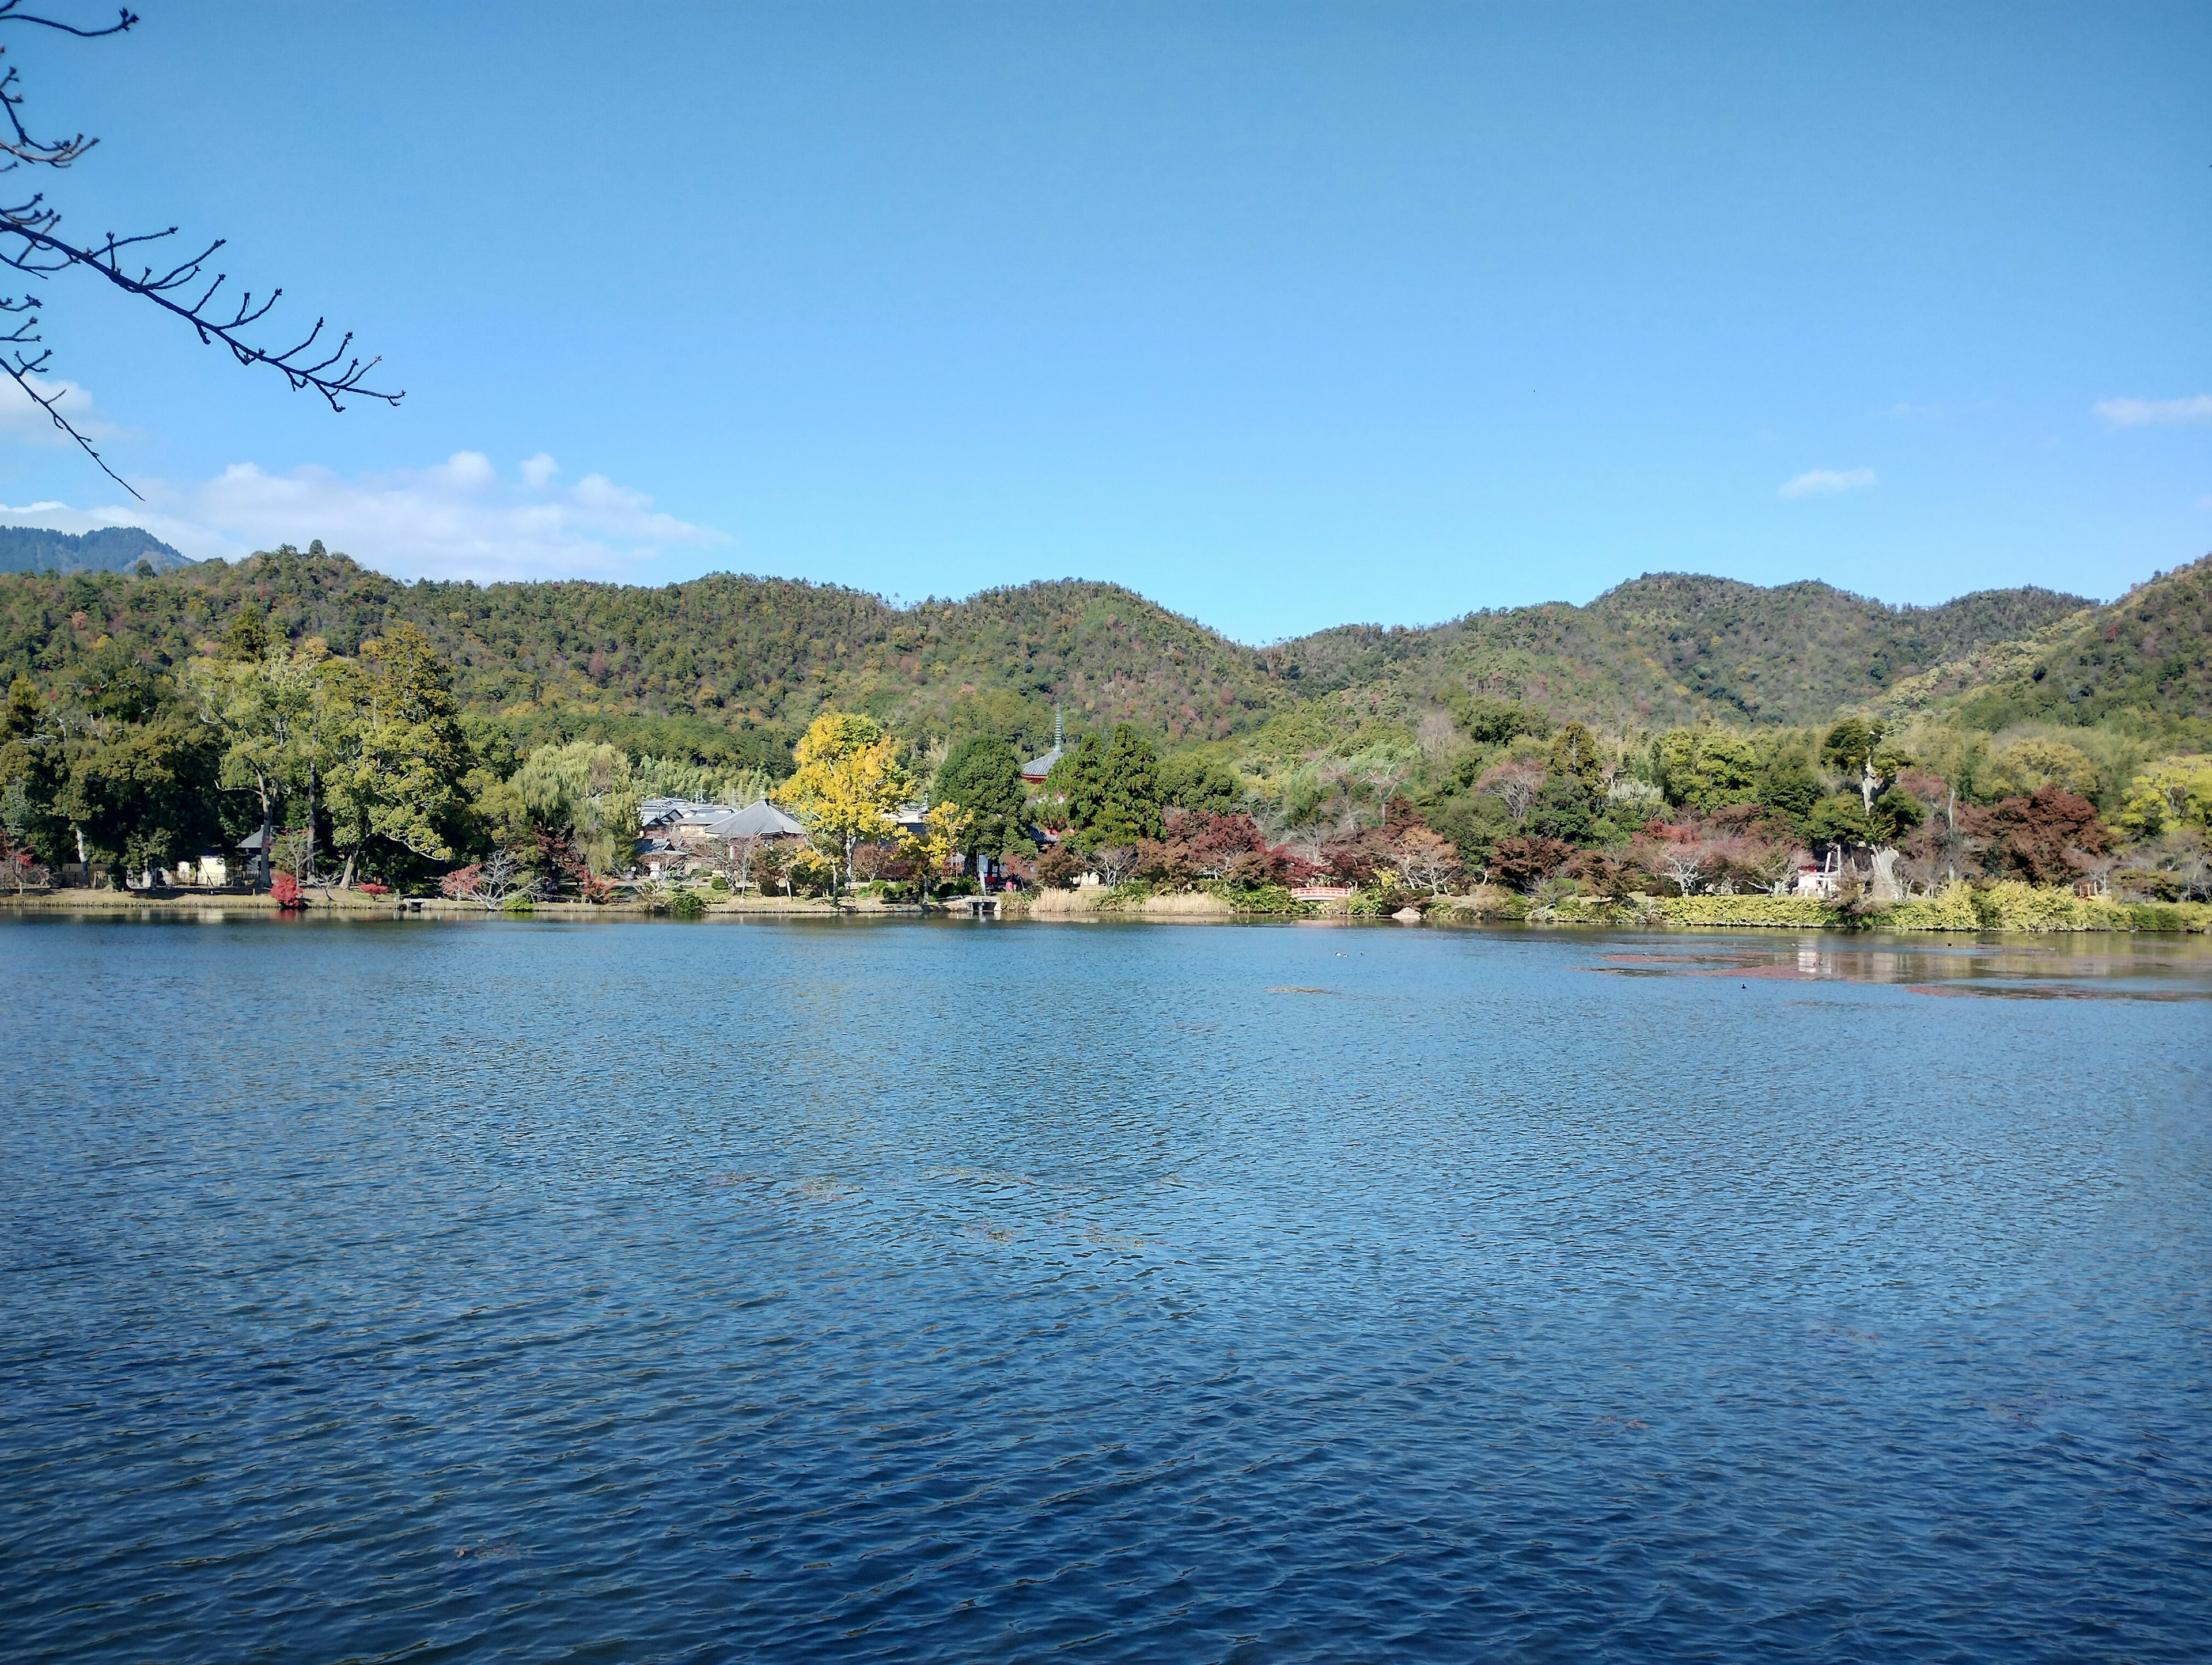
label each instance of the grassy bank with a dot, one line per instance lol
(2006, 906)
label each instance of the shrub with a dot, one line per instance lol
(1057, 867)
(1261, 899)
(687, 904)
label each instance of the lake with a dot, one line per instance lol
(628, 1291)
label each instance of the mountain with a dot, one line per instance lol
(1673, 648)
(2147, 657)
(724, 652)
(108, 549)
(733, 666)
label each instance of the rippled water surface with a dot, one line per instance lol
(612, 1292)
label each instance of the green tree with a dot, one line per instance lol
(1707, 769)
(582, 795)
(1574, 756)
(1129, 807)
(1079, 779)
(982, 776)
(265, 705)
(1191, 781)
(401, 788)
(1790, 786)
(2174, 792)
(142, 793)
(33, 768)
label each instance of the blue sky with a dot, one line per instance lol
(1283, 315)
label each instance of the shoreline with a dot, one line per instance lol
(2035, 914)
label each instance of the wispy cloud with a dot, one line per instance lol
(2146, 413)
(459, 519)
(23, 422)
(1826, 482)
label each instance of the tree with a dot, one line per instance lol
(1424, 858)
(1078, 779)
(983, 777)
(579, 799)
(33, 767)
(1058, 867)
(33, 243)
(734, 859)
(142, 793)
(1856, 747)
(848, 781)
(1706, 770)
(402, 783)
(1574, 757)
(1494, 722)
(2043, 837)
(1113, 863)
(1517, 783)
(1564, 808)
(1190, 782)
(262, 699)
(945, 829)
(493, 881)
(2174, 792)
(18, 867)
(1113, 788)
(1790, 786)
(1524, 863)
(2019, 768)
(775, 863)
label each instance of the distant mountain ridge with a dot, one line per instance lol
(739, 664)
(104, 550)
(1671, 647)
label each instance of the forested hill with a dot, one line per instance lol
(749, 656)
(2147, 655)
(1673, 647)
(734, 665)
(107, 548)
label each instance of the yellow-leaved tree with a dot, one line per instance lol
(848, 783)
(2175, 791)
(930, 849)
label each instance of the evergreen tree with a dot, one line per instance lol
(982, 775)
(1130, 806)
(404, 783)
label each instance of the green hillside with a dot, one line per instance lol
(749, 658)
(733, 666)
(1673, 647)
(2147, 658)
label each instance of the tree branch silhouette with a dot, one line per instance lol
(30, 243)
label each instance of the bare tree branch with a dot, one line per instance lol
(30, 244)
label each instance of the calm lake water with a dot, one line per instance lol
(950, 1292)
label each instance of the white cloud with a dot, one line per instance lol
(22, 421)
(1825, 481)
(456, 518)
(2145, 413)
